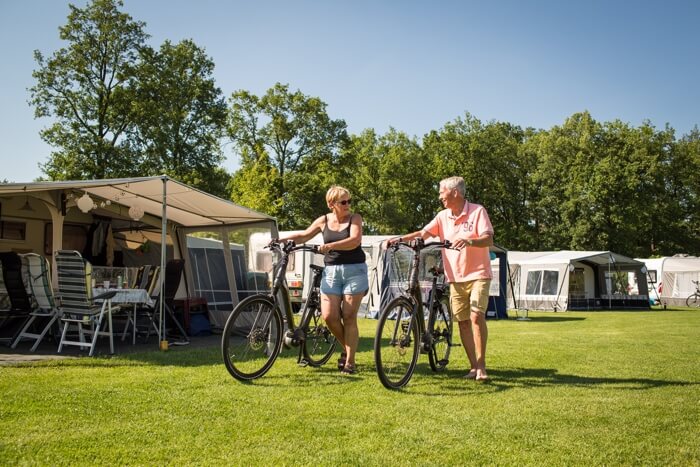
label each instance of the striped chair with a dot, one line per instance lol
(78, 307)
(37, 277)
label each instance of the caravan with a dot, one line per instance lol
(576, 280)
(670, 278)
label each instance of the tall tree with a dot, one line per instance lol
(179, 116)
(288, 137)
(86, 86)
(496, 171)
(392, 180)
(681, 211)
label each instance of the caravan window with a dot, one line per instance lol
(542, 282)
(534, 282)
(577, 284)
(549, 283)
(13, 230)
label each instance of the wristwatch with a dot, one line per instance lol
(470, 242)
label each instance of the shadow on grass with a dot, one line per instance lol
(451, 382)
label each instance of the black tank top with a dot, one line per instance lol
(335, 257)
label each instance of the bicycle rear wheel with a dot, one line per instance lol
(396, 344)
(252, 338)
(440, 329)
(319, 344)
(693, 301)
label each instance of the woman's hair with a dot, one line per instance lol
(334, 193)
(452, 183)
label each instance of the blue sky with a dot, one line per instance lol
(410, 65)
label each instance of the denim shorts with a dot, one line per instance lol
(345, 279)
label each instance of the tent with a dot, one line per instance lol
(576, 280)
(392, 273)
(670, 278)
(43, 217)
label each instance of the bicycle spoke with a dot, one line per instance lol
(320, 342)
(252, 338)
(396, 344)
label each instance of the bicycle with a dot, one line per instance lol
(401, 331)
(694, 299)
(254, 332)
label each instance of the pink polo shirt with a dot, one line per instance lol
(469, 263)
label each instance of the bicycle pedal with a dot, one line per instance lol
(303, 363)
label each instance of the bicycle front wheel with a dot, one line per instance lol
(396, 344)
(252, 338)
(693, 301)
(320, 342)
(440, 329)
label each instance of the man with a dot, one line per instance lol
(467, 268)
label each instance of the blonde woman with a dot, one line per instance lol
(344, 281)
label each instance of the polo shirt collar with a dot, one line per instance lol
(465, 211)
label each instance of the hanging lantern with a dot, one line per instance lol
(85, 203)
(136, 212)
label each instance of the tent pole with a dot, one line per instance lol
(563, 278)
(163, 249)
(610, 279)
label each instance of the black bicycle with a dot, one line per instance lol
(260, 324)
(401, 331)
(694, 299)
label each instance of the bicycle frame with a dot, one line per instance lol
(280, 292)
(413, 291)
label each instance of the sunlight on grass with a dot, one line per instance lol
(567, 388)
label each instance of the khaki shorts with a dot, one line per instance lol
(469, 296)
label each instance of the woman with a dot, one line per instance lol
(344, 281)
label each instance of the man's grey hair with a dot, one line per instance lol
(452, 183)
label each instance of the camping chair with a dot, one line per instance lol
(172, 278)
(78, 306)
(38, 280)
(20, 305)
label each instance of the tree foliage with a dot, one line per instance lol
(122, 109)
(290, 138)
(180, 116)
(86, 87)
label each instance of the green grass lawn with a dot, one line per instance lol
(603, 388)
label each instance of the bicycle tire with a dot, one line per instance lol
(693, 301)
(319, 344)
(396, 344)
(252, 338)
(440, 329)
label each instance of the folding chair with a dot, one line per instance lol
(20, 305)
(38, 281)
(78, 307)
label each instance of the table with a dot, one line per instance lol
(133, 297)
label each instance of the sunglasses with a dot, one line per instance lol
(345, 202)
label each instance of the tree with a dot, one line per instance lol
(495, 169)
(86, 86)
(289, 137)
(179, 116)
(392, 182)
(680, 213)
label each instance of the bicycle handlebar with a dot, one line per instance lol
(419, 244)
(288, 246)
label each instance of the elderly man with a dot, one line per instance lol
(467, 268)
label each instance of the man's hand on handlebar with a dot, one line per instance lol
(460, 243)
